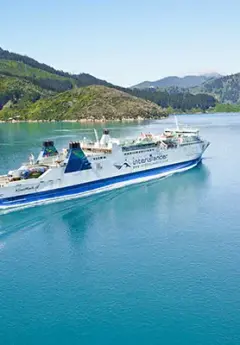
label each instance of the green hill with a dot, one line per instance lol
(20, 69)
(92, 102)
(43, 75)
(23, 81)
(18, 91)
(225, 89)
(32, 90)
(41, 78)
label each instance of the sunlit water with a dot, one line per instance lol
(156, 263)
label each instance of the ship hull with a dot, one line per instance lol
(96, 186)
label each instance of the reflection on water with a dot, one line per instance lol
(78, 215)
(123, 266)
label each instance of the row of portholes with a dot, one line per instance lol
(98, 158)
(135, 152)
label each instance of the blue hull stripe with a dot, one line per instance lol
(89, 186)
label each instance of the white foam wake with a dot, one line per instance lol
(117, 185)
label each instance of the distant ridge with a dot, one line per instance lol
(30, 90)
(226, 89)
(174, 81)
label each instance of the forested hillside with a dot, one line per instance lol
(92, 102)
(225, 89)
(182, 101)
(24, 82)
(173, 81)
(19, 91)
(38, 69)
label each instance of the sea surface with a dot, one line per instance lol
(155, 263)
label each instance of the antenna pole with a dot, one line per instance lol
(96, 135)
(176, 120)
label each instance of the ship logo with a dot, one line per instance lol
(125, 164)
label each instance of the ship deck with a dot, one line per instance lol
(4, 180)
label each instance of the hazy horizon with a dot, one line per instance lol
(126, 43)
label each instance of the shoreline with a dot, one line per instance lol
(139, 119)
(85, 121)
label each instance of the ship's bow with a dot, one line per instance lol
(205, 145)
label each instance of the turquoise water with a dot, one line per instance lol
(156, 263)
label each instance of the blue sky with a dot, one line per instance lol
(126, 42)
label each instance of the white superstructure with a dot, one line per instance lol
(89, 167)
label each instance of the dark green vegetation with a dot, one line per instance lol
(225, 89)
(184, 82)
(91, 103)
(18, 91)
(220, 94)
(179, 101)
(31, 90)
(43, 75)
(227, 108)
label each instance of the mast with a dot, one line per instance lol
(96, 135)
(176, 121)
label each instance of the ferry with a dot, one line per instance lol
(87, 167)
